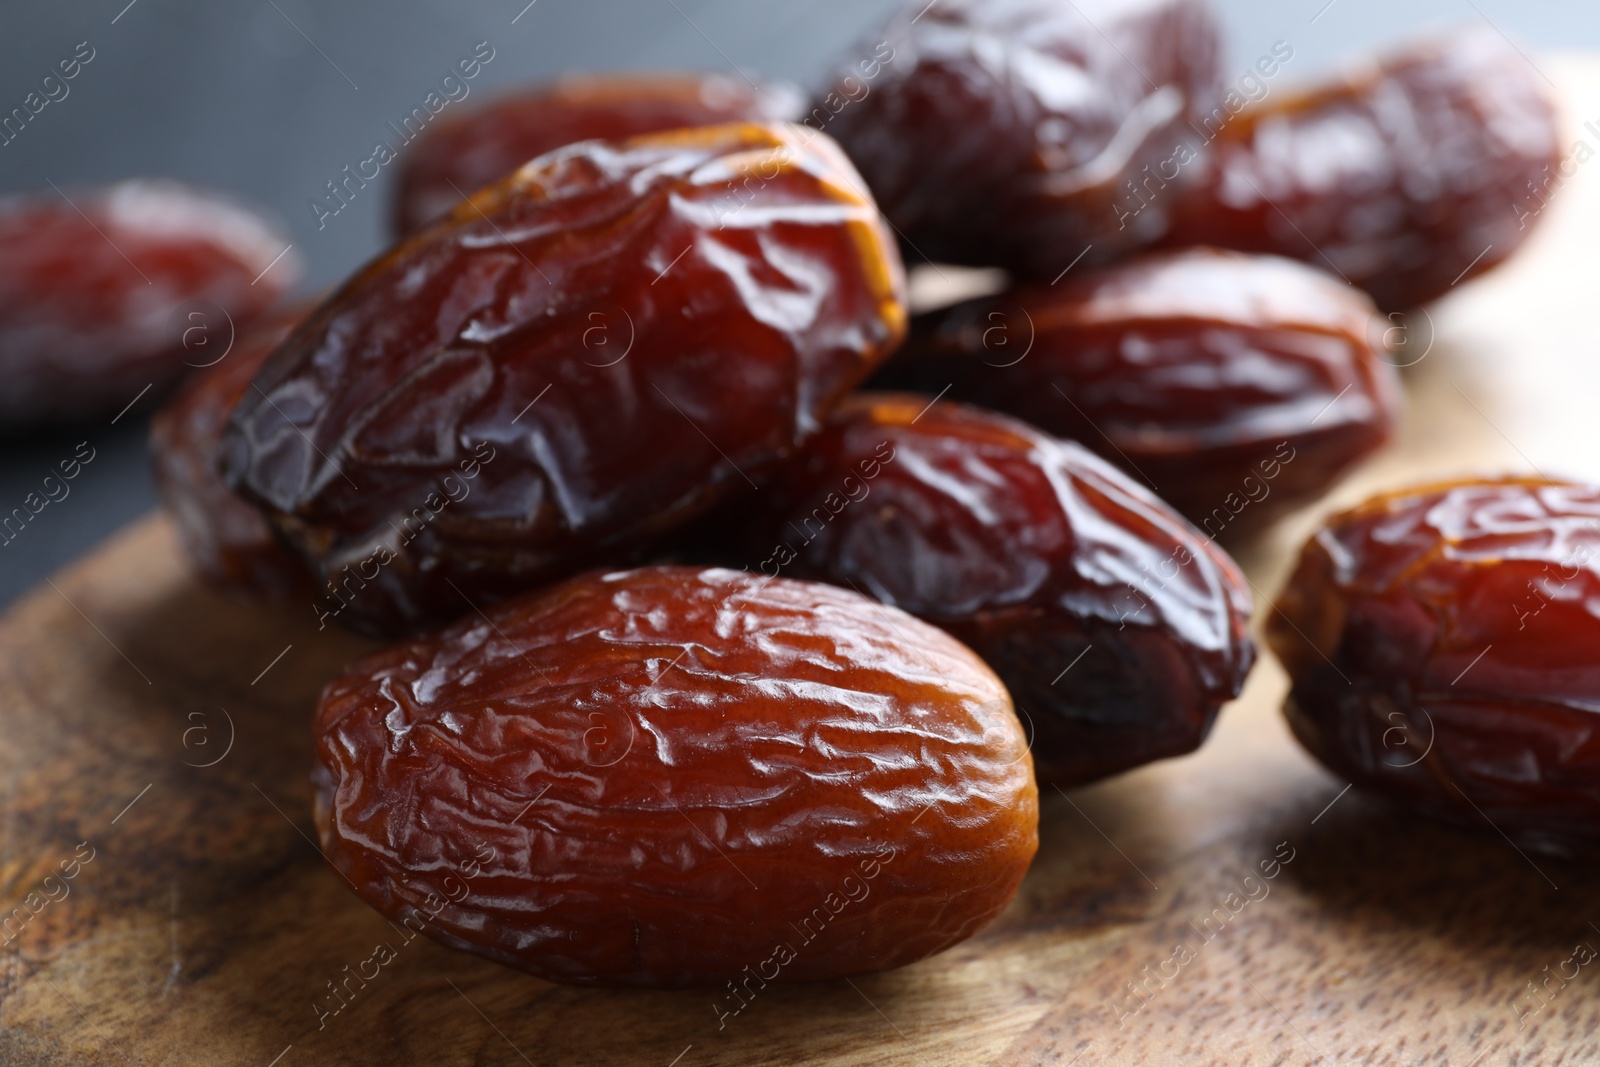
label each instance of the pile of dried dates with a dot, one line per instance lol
(743, 611)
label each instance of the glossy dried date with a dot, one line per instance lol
(1405, 176)
(1237, 386)
(458, 156)
(1441, 645)
(580, 360)
(227, 539)
(673, 776)
(1118, 630)
(92, 291)
(1003, 132)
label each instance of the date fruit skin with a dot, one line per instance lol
(582, 359)
(229, 542)
(1119, 631)
(668, 776)
(460, 155)
(89, 291)
(1405, 176)
(1236, 386)
(1440, 641)
(1005, 132)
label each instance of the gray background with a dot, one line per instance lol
(268, 99)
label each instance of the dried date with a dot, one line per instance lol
(1405, 176)
(1118, 630)
(89, 288)
(582, 359)
(1441, 643)
(1236, 386)
(1003, 132)
(674, 776)
(230, 543)
(458, 156)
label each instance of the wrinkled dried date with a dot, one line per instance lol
(1405, 177)
(460, 155)
(226, 538)
(1236, 385)
(89, 290)
(1118, 630)
(1004, 132)
(674, 776)
(580, 360)
(1441, 645)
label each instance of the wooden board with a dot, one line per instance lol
(164, 733)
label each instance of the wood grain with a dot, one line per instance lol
(206, 927)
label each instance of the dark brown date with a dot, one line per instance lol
(675, 777)
(582, 359)
(1004, 132)
(460, 155)
(93, 291)
(1237, 386)
(229, 542)
(1118, 630)
(1405, 176)
(1441, 645)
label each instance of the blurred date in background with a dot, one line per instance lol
(282, 103)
